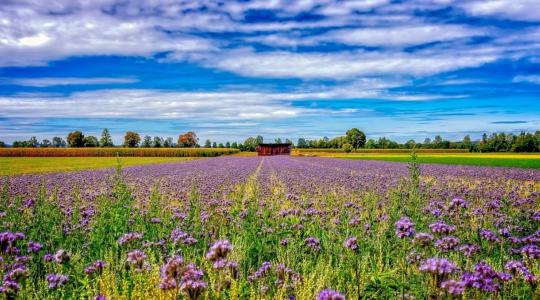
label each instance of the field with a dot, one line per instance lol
(518, 160)
(25, 165)
(118, 151)
(272, 228)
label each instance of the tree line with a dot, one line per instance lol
(353, 139)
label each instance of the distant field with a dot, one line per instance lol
(25, 165)
(528, 160)
(116, 151)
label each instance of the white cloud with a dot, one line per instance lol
(527, 78)
(401, 35)
(52, 81)
(280, 64)
(521, 10)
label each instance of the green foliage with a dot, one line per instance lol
(356, 138)
(106, 139)
(75, 139)
(131, 139)
(347, 148)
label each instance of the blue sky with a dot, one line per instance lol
(288, 69)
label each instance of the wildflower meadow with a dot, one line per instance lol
(276, 227)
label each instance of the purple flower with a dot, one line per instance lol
(438, 266)
(330, 295)
(261, 272)
(33, 246)
(351, 243)
(129, 238)
(284, 242)
(404, 227)
(9, 286)
(96, 267)
(61, 256)
(56, 280)
(137, 259)
(192, 282)
(219, 250)
(447, 243)
(469, 249)
(489, 235)
(423, 239)
(178, 236)
(313, 243)
(483, 278)
(453, 287)
(531, 251)
(439, 227)
(100, 297)
(8, 241)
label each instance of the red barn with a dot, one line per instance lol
(274, 149)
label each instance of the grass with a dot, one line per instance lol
(26, 165)
(525, 160)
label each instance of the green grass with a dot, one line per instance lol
(528, 160)
(26, 165)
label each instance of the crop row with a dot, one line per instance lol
(86, 152)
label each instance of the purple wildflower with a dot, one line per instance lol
(313, 243)
(469, 249)
(56, 280)
(489, 235)
(330, 295)
(438, 266)
(531, 251)
(453, 287)
(423, 239)
(61, 256)
(137, 259)
(129, 238)
(447, 243)
(261, 272)
(351, 243)
(219, 250)
(442, 228)
(33, 246)
(404, 227)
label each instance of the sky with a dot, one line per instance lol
(232, 69)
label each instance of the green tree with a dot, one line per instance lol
(75, 139)
(356, 138)
(58, 142)
(278, 141)
(2, 144)
(147, 141)
(214, 145)
(45, 143)
(91, 141)
(227, 145)
(234, 145)
(302, 143)
(207, 144)
(106, 139)
(168, 142)
(347, 147)
(157, 143)
(131, 139)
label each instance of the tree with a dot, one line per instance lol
(214, 145)
(288, 141)
(188, 139)
(227, 145)
(131, 139)
(466, 143)
(168, 142)
(147, 141)
(234, 145)
(58, 142)
(106, 139)
(207, 144)
(45, 143)
(2, 144)
(410, 144)
(221, 145)
(356, 138)
(75, 139)
(301, 143)
(157, 142)
(347, 147)
(33, 142)
(277, 141)
(251, 143)
(91, 141)
(370, 144)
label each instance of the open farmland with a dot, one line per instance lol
(272, 228)
(517, 160)
(25, 165)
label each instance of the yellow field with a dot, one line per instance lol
(25, 165)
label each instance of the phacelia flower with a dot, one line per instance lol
(137, 259)
(351, 243)
(438, 266)
(33, 246)
(447, 243)
(404, 227)
(453, 287)
(313, 243)
(423, 239)
(442, 228)
(330, 295)
(219, 250)
(129, 238)
(56, 280)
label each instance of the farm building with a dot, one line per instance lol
(274, 149)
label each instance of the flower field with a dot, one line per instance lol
(272, 228)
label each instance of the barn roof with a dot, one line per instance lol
(276, 145)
